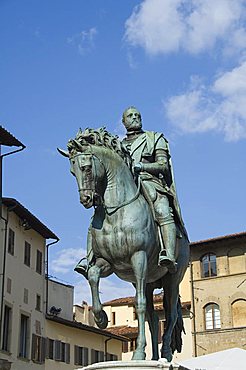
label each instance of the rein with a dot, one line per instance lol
(115, 208)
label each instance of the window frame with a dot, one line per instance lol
(39, 262)
(7, 329)
(24, 338)
(216, 322)
(212, 265)
(11, 242)
(27, 254)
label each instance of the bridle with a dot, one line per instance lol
(108, 209)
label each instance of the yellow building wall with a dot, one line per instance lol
(81, 338)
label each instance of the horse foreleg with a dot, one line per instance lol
(101, 267)
(139, 265)
(153, 321)
(170, 302)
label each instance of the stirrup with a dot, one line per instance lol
(169, 263)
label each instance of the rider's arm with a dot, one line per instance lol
(160, 164)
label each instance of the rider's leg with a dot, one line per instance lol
(85, 262)
(165, 219)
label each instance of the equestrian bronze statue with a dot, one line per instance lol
(137, 231)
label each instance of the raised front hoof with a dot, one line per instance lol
(102, 320)
(138, 355)
(167, 354)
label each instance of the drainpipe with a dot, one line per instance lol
(47, 269)
(194, 309)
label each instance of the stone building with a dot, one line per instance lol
(218, 285)
(123, 321)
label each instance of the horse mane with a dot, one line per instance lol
(99, 137)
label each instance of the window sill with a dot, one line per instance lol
(8, 353)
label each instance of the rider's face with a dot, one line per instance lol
(132, 120)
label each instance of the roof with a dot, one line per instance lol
(79, 325)
(6, 138)
(130, 300)
(234, 358)
(219, 238)
(158, 300)
(31, 220)
(123, 330)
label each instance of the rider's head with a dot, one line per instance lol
(132, 119)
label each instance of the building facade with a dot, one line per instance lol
(218, 282)
(39, 329)
(123, 320)
(23, 293)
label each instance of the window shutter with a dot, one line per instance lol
(67, 353)
(76, 355)
(101, 356)
(93, 356)
(85, 359)
(43, 349)
(57, 350)
(33, 346)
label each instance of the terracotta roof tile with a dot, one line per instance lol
(123, 330)
(219, 238)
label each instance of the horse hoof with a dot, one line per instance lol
(167, 354)
(138, 355)
(102, 320)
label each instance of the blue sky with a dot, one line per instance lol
(70, 64)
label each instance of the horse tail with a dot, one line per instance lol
(176, 341)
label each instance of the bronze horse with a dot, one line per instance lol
(124, 237)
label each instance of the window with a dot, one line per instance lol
(113, 318)
(133, 344)
(11, 242)
(81, 356)
(38, 349)
(97, 356)
(9, 285)
(6, 329)
(111, 357)
(38, 302)
(212, 316)
(62, 351)
(25, 298)
(24, 336)
(239, 313)
(50, 348)
(39, 262)
(125, 347)
(209, 265)
(135, 316)
(27, 254)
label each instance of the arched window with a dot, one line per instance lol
(212, 316)
(208, 265)
(239, 313)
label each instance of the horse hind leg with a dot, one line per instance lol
(139, 265)
(101, 267)
(153, 321)
(170, 303)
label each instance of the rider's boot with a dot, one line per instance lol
(82, 267)
(167, 255)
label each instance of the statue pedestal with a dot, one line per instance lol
(133, 365)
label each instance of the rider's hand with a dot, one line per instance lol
(138, 168)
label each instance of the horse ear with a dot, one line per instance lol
(63, 152)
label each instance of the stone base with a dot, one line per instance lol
(133, 365)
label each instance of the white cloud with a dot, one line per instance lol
(66, 260)
(163, 26)
(84, 40)
(220, 107)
